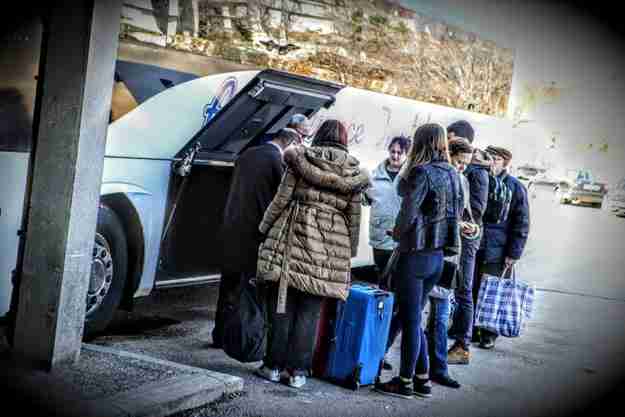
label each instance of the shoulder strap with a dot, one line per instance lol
(453, 190)
(464, 208)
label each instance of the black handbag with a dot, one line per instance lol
(245, 333)
(385, 277)
(448, 276)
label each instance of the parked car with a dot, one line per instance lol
(580, 188)
(614, 201)
(544, 178)
(529, 173)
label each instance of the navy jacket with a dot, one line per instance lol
(508, 238)
(478, 188)
(255, 180)
(432, 202)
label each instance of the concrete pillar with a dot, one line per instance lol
(189, 17)
(78, 54)
(196, 17)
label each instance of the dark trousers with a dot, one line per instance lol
(291, 335)
(416, 275)
(481, 268)
(462, 323)
(381, 257)
(229, 293)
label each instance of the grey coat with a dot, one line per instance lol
(385, 203)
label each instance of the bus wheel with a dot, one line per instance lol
(109, 268)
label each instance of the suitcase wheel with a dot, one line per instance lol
(355, 380)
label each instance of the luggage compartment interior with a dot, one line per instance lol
(192, 246)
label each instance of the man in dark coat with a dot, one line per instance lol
(255, 180)
(477, 175)
(502, 243)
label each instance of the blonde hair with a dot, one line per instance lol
(429, 145)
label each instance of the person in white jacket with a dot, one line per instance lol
(385, 203)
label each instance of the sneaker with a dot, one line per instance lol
(269, 374)
(422, 387)
(296, 381)
(458, 355)
(445, 380)
(395, 387)
(487, 342)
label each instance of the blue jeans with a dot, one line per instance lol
(416, 275)
(437, 335)
(462, 327)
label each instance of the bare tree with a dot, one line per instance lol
(278, 30)
(288, 11)
(463, 74)
(261, 12)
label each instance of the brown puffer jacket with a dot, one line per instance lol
(313, 223)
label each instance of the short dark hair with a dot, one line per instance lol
(402, 141)
(463, 129)
(459, 145)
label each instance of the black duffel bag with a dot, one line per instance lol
(245, 335)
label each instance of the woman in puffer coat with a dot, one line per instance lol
(312, 228)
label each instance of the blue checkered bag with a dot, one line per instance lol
(504, 305)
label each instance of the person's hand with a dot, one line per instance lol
(468, 228)
(509, 262)
(394, 233)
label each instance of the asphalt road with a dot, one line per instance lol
(569, 358)
(574, 249)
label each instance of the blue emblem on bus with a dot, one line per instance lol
(224, 93)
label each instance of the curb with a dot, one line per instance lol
(163, 398)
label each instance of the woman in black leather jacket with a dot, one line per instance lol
(427, 229)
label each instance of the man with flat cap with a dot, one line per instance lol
(255, 180)
(503, 242)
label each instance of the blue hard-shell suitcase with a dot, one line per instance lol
(360, 336)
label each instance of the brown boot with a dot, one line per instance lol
(458, 355)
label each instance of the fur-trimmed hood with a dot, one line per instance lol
(328, 167)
